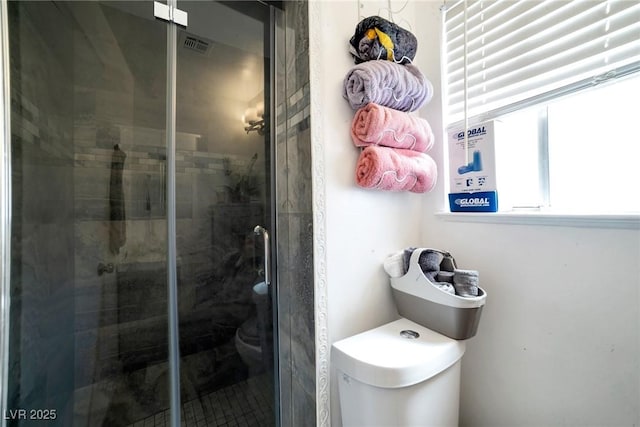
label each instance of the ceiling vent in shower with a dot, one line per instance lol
(195, 44)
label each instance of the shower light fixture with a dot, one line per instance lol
(253, 119)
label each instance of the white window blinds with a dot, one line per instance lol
(522, 52)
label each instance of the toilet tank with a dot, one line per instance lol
(399, 374)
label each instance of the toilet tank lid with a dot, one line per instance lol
(385, 357)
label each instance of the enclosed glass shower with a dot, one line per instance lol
(141, 195)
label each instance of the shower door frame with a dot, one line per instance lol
(5, 205)
(172, 276)
(272, 27)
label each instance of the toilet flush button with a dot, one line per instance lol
(409, 334)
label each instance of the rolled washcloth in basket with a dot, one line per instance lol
(376, 38)
(401, 87)
(394, 169)
(445, 276)
(466, 282)
(375, 124)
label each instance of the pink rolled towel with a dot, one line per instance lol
(395, 169)
(375, 124)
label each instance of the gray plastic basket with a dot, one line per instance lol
(418, 300)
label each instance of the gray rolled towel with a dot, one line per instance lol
(465, 277)
(376, 38)
(445, 276)
(466, 282)
(448, 264)
(430, 260)
(401, 87)
(407, 258)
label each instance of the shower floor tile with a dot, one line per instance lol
(247, 403)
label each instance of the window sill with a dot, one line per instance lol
(623, 221)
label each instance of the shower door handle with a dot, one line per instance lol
(267, 251)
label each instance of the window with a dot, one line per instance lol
(564, 79)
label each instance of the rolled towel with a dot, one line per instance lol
(465, 277)
(375, 124)
(394, 264)
(429, 261)
(466, 282)
(401, 87)
(447, 287)
(445, 276)
(392, 169)
(376, 38)
(448, 264)
(406, 257)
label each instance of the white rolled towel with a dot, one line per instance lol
(394, 264)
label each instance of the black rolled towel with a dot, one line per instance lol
(117, 216)
(376, 38)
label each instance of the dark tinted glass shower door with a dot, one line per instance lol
(88, 341)
(223, 188)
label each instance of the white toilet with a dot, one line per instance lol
(251, 334)
(407, 373)
(399, 374)
(247, 343)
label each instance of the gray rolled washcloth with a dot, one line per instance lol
(445, 276)
(401, 87)
(466, 282)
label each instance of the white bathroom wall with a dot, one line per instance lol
(362, 226)
(354, 228)
(558, 342)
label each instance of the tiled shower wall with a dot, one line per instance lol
(41, 363)
(295, 223)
